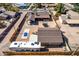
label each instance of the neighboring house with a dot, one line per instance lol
(21, 5)
(49, 4)
(42, 15)
(3, 16)
(69, 19)
(2, 9)
(73, 22)
(10, 13)
(39, 15)
(3, 19)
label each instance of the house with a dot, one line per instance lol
(73, 22)
(50, 36)
(69, 19)
(52, 5)
(21, 5)
(3, 16)
(49, 4)
(40, 14)
(2, 9)
(10, 13)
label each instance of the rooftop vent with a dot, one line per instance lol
(32, 43)
(15, 43)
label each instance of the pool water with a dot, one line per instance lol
(25, 34)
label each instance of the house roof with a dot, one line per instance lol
(2, 9)
(42, 15)
(50, 35)
(3, 16)
(11, 13)
(71, 20)
(74, 21)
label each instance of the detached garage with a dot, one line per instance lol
(50, 36)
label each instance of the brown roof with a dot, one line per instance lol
(42, 15)
(50, 35)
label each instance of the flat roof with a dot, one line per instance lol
(50, 36)
(20, 44)
(11, 13)
(42, 15)
(74, 21)
(3, 16)
(33, 38)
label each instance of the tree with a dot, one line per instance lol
(38, 5)
(59, 9)
(76, 7)
(9, 7)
